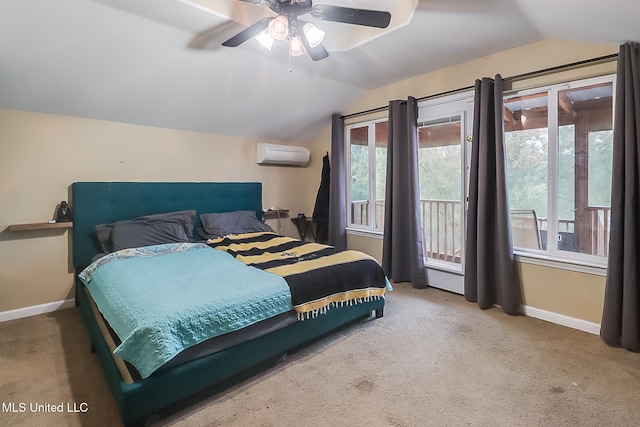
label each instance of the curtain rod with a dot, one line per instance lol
(605, 58)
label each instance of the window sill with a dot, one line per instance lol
(374, 234)
(523, 257)
(564, 264)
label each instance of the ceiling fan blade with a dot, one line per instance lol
(248, 33)
(347, 15)
(316, 53)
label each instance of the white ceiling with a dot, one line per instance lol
(160, 63)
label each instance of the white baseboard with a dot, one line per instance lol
(36, 309)
(561, 319)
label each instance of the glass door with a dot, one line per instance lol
(444, 128)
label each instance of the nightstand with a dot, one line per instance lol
(308, 227)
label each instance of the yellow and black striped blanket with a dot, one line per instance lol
(319, 276)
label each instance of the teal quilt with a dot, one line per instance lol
(162, 299)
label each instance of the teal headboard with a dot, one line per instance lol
(106, 202)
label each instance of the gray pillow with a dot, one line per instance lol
(238, 222)
(147, 232)
(185, 218)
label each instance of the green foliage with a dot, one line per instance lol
(527, 160)
(600, 167)
(381, 172)
(440, 172)
(527, 171)
(359, 172)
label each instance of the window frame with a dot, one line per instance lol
(554, 257)
(371, 145)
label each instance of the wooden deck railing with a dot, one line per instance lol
(441, 227)
(360, 212)
(594, 234)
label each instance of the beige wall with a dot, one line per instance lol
(570, 293)
(370, 245)
(42, 154)
(573, 294)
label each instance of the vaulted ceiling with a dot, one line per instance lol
(161, 63)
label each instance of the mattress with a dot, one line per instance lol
(201, 350)
(161, 300)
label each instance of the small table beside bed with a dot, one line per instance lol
(184, 292)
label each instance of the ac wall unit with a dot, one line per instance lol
(273, 154)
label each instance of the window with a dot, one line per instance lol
(367, 166)
(559, 150)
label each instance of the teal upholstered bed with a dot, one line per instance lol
(138, 399)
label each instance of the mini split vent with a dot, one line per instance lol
(273, 154)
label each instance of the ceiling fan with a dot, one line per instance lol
(303, 36)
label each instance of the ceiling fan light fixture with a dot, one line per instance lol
(302, 36)
(314, 35)
(296, 47)
(265, 39)
(279, 27)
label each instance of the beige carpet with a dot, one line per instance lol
(433, 360)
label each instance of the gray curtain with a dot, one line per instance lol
(402, 254)
(490, 276)
(337, 235)
(621, 317)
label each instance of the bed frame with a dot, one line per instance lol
(173, 388)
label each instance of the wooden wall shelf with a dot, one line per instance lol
(40, 226)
